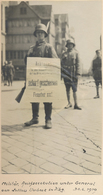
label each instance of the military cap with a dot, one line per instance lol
(71, 40)
(98, 50)
(41, 27)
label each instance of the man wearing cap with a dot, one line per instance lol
(44, 50)
(10, 73)
(70, 68)
(97, 72)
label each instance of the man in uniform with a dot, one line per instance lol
(43, 50)
(4, 73)
(97, 71)
(70, 67)
(10, 72)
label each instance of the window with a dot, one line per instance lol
(32, 23)
(28, 22)
(56, 22)
(6, 26)
(1, 54)
(20, 39)
(24, 39)
(23, 10)
(14, 40)
(10, 39)
(10, 24)
(25, 52)
(18, 54)
(25, 23)
(14, 54)
(1, 17)
(20, 23)
(11, 55)
(22, 56)
(7, 55)
(17, 23)
(13, 23)
(63, 32)
(17, 39)
(29, 39)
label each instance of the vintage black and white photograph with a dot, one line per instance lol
(51, 87)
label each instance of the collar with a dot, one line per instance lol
(69, 50)
(40, 43)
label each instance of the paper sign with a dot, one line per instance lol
(43, 79)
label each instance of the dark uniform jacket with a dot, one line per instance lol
(4, 70)
(71, 63)
(10, 70)
(96, 68)
(42, 49)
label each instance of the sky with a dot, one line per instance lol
(85, 24)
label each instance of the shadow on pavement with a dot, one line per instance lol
(20, 127)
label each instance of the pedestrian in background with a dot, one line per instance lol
(10, 73)
(97, 72)
(4, 73)
(42, 50)
(70, 69)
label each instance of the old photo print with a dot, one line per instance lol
(51, 97)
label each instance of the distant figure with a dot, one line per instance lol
(10, 73)
(4, 73)
(97, 71)
(70, 66)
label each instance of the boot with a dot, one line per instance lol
(68, 98)
(69, 105)
(77, 107)
(97, 90)
(96, 97)
(48, 124)
(48, 111)
(75, 101)
(35, 111)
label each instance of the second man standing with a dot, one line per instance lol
(70, 65)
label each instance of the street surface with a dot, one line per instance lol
(72, 146)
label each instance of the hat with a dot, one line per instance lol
(98, 50)
(71, 40)
(40, 27)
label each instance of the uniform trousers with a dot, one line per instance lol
(47, 108)
(10, 78)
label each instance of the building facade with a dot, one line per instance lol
(3, 32)
(21, 20)
(101, 42)
(61, 31)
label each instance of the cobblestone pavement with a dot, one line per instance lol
(72, 146)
